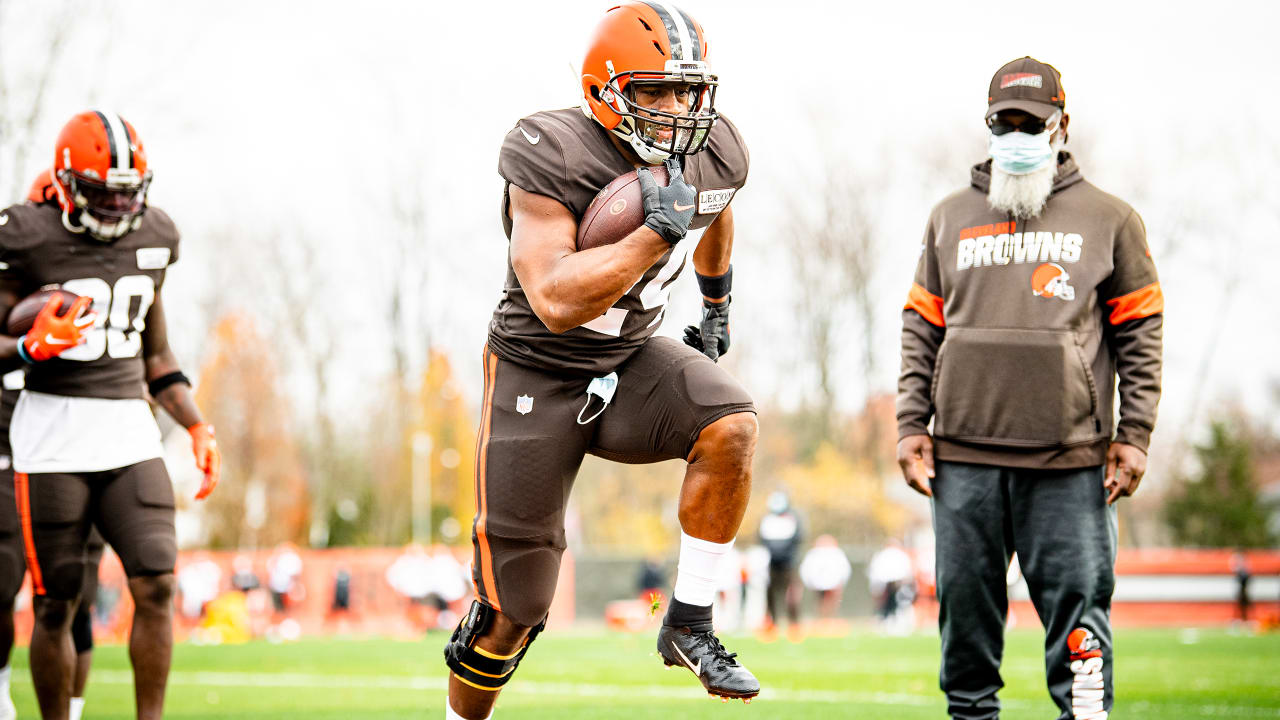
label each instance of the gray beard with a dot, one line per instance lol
(1022, 196)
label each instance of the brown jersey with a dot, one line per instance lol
(565, 155)
(122, 277)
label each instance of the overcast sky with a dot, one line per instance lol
(264, 118)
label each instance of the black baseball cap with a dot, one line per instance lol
(1029, 85)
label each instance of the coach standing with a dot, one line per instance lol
(1034, 289)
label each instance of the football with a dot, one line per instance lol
(23, 315)
(616, 211)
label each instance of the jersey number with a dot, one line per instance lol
(654, 294)
(118, 330)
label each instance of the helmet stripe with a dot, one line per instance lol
(695, 39)
(117, 140)
(129, 142)
(677, 31)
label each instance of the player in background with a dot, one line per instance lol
(86, 448)
(571, 366)
(13, 567)
(782, 535)
(42, 191)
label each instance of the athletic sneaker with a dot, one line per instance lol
(703, 654)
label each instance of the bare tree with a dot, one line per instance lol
(25, 83)
(834, 252)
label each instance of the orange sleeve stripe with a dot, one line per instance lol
(1140, 303)
(927, 304)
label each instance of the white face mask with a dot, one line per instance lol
(1018, 153)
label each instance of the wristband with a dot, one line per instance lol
(22, 351)
(155, 387)
(715, 286)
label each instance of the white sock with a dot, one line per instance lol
(77, 708)
(449, 714)
(5, 672)
(698, 573)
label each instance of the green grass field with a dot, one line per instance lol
(1160, 675)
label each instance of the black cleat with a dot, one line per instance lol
(703, 654)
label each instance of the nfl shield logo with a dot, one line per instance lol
(524, 404)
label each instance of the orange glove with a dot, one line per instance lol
(208, 459)
(52, 334)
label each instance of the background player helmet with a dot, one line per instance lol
(101, 170)
(642, 42)
(42, 190)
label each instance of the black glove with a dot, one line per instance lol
(668, 210)
(711, 336)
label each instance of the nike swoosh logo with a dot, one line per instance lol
(681, 208)
(49, 339)
(533, 139)
(697, 669)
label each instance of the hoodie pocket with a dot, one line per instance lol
(1013, 387)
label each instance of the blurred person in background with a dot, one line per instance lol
(12, 563)
(1240, 568)
(448, 588)
(651, 579)
(284, 571)
(825, 570)
(284, 581)
(13, 566)
(891, 577)
(410, 573)
(243, 578)
(781, 535)
(199, 582)
(1033, 290)
(410, 576)
(341, 604)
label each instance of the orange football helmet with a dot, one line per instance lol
(649, 42)
(42, 189)
(101, 171)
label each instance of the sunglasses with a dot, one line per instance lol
(1030, 125)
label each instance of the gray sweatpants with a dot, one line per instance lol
(1065, 536)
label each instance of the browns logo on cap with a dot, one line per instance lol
(1029, 85)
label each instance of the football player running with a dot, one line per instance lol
(571, 366)
(86, 448)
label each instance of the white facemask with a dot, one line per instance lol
(1018, 153)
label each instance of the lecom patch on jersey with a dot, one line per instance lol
(713, 201)
(153, 258)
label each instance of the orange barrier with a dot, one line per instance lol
(1154, 587)
(1171, 587)
(374, 608)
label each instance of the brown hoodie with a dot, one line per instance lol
(1014, 330)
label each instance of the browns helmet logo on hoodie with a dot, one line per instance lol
(1050, 281)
